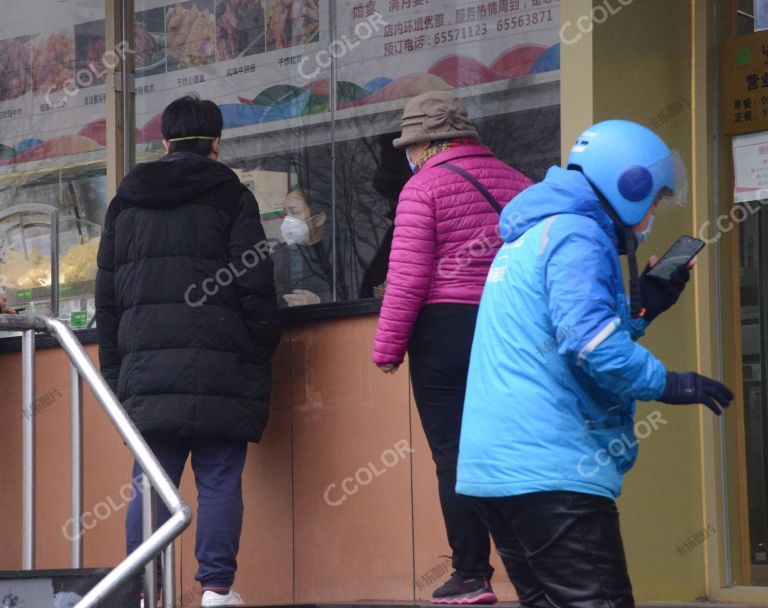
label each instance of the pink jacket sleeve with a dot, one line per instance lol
(409, 276)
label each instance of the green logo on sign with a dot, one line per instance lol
(24, 294)
(78, 318)
(744, 56)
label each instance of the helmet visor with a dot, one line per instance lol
(673, 176)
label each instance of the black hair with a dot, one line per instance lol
(302, 194)
(191, 116)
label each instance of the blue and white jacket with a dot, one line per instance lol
(555, 368)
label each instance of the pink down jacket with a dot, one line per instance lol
(446, 236)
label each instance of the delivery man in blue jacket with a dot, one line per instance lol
(547, 432)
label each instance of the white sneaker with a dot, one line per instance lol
(232, 598)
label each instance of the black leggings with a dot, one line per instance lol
(439, 360)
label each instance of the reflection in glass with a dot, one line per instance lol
(312, 93)
(753, 341)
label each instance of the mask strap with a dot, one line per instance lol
(293, 218)
(190, 137)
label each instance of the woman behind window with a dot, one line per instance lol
(303, 262)
(446, 236)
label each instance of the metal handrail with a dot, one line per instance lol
(181, 514)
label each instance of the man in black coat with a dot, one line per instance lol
(187, 321)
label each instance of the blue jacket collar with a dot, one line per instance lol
(562, 191)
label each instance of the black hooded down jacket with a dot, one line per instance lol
(185, 301)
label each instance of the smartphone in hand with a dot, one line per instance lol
(683, 250)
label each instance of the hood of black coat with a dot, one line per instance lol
(175, 180)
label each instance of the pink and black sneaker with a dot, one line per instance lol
(460, 590)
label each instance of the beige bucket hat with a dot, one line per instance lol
(434, 116)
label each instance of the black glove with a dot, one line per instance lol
(658, 294)
(690, 387)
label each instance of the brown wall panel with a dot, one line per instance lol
(266, 555)
(334, 416)
(52, 461)
(10, 457)
(106, 474)
(349, 420)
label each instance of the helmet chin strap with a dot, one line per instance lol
(627, 245)
(636, 303)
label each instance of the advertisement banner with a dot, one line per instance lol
(261, 61)
(442, 45)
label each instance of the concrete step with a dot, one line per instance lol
(60, 588)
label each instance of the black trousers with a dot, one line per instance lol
(560, 549)
(439, 360)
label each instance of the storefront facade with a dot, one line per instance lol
(341, 500)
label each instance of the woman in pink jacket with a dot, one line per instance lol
(446, 236)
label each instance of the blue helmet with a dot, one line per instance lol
(630, 165)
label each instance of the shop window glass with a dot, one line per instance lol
(311, 92)
(52, 150)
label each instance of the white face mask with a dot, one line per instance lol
(643, 236)
(295, 231)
